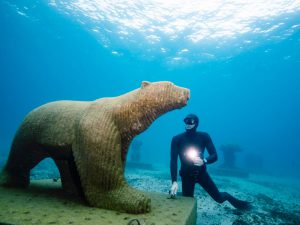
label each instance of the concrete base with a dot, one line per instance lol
(44, 202)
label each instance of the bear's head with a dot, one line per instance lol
(163, 96)
(136, 110)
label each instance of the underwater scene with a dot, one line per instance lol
(150, 112)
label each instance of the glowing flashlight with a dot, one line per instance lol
(191, 153)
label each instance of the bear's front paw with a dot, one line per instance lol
(132, 200)
(144, 204)
(124, 199)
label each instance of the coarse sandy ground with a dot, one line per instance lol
(274, 200)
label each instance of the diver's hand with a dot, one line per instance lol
(198, 161)
(174, 189)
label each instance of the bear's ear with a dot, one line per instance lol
(145, 83)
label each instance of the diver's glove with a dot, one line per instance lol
(173, 190)
(198, 161)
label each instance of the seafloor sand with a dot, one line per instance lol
(275, 200)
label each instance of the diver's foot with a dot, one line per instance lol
(243, 205)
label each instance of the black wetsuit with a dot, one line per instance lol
(191, 174)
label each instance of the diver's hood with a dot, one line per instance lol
(194, 117)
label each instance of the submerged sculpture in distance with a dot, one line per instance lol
(89, 142)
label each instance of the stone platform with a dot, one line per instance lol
(44, 202)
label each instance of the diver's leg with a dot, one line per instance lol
(207, 183)
(188, 186)
(239, 204)
(209, 186)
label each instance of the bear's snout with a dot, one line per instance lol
(186, 95)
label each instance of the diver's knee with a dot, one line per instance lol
(218, 199)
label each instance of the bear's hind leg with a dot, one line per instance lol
(22, 158)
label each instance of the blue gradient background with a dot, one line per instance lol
(251, 98)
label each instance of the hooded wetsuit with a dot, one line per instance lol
(191, 174)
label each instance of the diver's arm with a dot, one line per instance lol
(174, 158)
(213, 157)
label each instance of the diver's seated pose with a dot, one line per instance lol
(190, 146)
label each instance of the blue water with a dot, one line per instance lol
(245, 88)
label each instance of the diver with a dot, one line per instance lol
(190, 146)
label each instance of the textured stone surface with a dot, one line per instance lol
(89, 142)
(45, 203)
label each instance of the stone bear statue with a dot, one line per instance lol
(88, 141)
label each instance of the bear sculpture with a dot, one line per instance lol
(88, 141)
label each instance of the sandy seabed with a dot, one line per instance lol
(274, 200)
